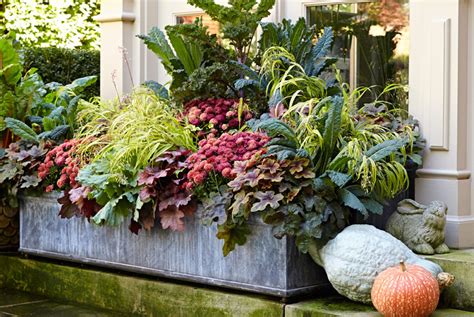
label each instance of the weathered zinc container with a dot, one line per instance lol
(264, 265)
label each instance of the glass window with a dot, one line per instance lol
(213, 26)
(371, 42)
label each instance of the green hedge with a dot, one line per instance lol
(64, 65)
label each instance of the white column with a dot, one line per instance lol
(441, 87)
(120, 22)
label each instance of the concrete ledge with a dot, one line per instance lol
(152, 297)
(461, 264)
(127, 294)
(338, 306)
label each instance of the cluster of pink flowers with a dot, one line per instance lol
(215, 115)
(60, 162)
(219, 154)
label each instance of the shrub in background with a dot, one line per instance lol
(64, 23)
(64, 65)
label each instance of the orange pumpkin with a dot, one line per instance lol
(405, 291)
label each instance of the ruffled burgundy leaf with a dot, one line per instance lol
(172, 218)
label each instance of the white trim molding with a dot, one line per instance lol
(122, 17)
(440, 41)
(441, 173)
(459, 231)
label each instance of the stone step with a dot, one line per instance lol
(460, 263)
(341, 307)
(16, 303)
(95, 290)
(128, 293)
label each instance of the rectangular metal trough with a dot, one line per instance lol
(263, 265)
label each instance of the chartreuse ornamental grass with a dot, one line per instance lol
(133, 132)
(325, 128)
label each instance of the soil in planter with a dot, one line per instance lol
(9, 228)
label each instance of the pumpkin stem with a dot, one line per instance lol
(403, 267)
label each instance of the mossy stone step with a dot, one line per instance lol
(460, 263)
(128, 294)
(339, 306)
(152, 297)
(20, 304)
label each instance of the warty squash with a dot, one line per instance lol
(359, 253)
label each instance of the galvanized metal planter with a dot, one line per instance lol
(264, 265)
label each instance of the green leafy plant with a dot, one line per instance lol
(347, 163)
(56, 115)
(54, 118)
(134, 133)
(300, 40)
(121, 139)
(238, 22)
(19, 169)
(194, 59)
(18, 93)
(64, 65)
(164, 192)
(68, 23)
(115, 193)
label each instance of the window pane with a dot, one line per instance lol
(339, 17)
(372, 42)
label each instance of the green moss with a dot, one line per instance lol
(466, 256)
(156, 298)
(460, 263)
(339, 306)
(129, 294)
(330, 306)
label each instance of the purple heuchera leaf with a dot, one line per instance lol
(269, 165)
(79, 197)
(78, 193)
(306, 173)
(147, 193)
(178, 200)
(163, 184)
(172, 218)
(276, 178)
(250, 179)
(68, 209)
(266, 199)
(30, 181)
(240, 167)
(35, 151)
(240, 199)
(151, 174)
(22, 155)
(298, 165)
(134, 227)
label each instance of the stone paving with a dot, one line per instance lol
(15, 303)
